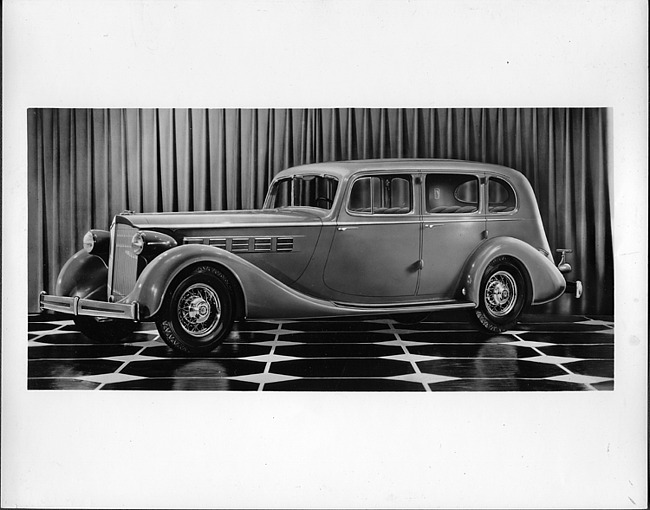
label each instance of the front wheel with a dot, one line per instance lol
(503, 296)
(199, 312)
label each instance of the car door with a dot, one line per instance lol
(453, 226)
(375, 252)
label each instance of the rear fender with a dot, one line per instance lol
(545, 280)
(83, 275)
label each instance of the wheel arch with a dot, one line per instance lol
(159, 278)
(544, 282)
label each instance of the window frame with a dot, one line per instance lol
(515, 196)
(479, 181)
(409, 176)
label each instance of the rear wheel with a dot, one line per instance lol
(503, 295)
(199, 312)
(104, 330)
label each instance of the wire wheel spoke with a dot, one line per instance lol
(500, 293)
(199, 310)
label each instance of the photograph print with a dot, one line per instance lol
(321, 249)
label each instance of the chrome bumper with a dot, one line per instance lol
(79, 306)
(574, 288)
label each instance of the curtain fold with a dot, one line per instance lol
(86, 165)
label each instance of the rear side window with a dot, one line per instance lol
(452, 194)
(385, 194)
(501, 196)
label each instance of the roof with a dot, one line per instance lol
(343, 169)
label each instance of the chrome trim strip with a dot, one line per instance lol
(216, 224)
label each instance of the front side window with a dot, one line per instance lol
(452, 193)
(382, 194)
(501, 196)
(303, 191)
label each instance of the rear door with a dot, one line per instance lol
(453, 226)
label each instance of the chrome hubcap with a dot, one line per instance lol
(500, 293)
(199, 310)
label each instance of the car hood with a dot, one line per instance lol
(252, 218)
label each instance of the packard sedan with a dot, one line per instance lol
(401, 238)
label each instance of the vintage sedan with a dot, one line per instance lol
(376, 237)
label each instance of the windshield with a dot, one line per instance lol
(302, 191)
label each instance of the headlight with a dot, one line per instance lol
(97, 242)
(138, 243)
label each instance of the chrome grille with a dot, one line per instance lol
(122, 262)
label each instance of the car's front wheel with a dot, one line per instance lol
(198, 315)
(503, 296)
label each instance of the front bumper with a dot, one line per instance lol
(90, 307)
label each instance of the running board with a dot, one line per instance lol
(421, 306)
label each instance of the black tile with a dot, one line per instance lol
(506, 385)
(604, 386)
(332, 384)
(47, 317)
(224, 351)
(338, 337)
(42, 326)
(598, 368)
(254, 326)
(70, 368)
(60, 384)
(489, 368)
(193, 367)
(545, 318)
(559, 327)
(248, 337)
(437, 326)
(183, 384)
(569, 338)
(69, 339)
(79, 351)
(580, 351)
(332, 350)
(342, 368)
(335, 326)
(487, 350)
(452, 337)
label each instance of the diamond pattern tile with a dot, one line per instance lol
(443, 353)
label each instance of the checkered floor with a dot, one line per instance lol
(444, 353)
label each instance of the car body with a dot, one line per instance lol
(372, 237)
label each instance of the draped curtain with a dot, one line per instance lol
(86, 165)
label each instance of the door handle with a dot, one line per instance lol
(343, 229)
(432, 225)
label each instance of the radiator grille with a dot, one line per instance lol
(122, 262)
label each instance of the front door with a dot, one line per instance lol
(375, 252)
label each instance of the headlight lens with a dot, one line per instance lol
(89, 241)
(137, 243)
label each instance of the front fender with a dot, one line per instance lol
(547, 283)
(83, 275)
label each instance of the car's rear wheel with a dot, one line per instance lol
(104, 330)
(503, 295)
(198, 314)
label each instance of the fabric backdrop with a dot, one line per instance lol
(87, 165)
